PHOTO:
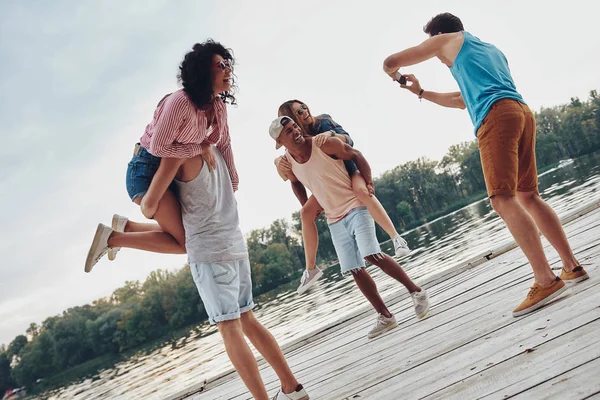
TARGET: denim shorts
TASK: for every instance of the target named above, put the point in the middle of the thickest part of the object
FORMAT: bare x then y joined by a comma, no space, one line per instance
225,288
351,167
140,171
354,239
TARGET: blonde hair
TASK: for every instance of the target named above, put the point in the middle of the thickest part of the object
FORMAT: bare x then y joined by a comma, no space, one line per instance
286,110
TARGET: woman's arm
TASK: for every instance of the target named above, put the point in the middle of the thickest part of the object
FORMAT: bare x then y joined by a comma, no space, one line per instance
160,183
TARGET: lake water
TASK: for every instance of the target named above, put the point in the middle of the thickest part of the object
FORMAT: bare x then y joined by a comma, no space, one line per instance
438,246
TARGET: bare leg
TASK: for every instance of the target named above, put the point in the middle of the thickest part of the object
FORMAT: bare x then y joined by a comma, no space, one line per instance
132,226
310,211
266,344
549,224
242,358
368,287
359,186
524,230
169,240
393,269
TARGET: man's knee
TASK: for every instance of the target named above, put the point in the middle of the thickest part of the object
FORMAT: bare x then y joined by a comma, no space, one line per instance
528,199
248,318
229,327
375,258
501,202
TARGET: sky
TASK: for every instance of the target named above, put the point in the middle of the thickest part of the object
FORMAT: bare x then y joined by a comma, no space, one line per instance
79,81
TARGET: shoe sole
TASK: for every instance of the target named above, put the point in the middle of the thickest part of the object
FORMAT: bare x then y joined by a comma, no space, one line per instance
402,253
95,244
577,280
112,253
424,313
311,283
541,303
388,328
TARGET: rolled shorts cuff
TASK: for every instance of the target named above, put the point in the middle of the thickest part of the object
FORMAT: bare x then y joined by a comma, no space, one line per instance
530,189
231,316
139,194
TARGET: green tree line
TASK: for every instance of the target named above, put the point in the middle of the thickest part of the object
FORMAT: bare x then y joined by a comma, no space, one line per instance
168,301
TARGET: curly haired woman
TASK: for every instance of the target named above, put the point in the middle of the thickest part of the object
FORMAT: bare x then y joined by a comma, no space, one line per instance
185,124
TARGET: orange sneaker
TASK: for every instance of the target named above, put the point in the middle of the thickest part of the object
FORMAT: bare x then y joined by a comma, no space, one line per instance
577,275
539,296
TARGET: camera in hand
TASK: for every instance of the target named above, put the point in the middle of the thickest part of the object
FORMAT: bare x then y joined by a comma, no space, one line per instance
401,79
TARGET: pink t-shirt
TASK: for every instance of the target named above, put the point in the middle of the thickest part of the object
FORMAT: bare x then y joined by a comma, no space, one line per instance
178,130
328,181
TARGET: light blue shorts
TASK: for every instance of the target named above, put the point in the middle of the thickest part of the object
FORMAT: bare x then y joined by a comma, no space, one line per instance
225,288
354,239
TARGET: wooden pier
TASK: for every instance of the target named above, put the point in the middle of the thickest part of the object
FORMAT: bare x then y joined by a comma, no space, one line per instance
470,346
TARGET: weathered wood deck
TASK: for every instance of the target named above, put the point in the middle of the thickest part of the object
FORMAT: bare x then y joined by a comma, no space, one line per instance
470,346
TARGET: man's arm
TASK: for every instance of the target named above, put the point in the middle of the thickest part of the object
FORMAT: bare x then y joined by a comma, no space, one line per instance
451,100
430,48
160,183
300,191
335,147
284,168
298,188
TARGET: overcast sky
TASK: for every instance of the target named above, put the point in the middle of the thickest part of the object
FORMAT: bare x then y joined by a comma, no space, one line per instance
80,79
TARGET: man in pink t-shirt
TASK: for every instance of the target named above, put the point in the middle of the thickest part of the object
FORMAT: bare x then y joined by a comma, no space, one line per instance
321,169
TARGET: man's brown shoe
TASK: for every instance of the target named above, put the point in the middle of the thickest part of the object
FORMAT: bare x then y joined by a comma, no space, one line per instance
577,275
539,296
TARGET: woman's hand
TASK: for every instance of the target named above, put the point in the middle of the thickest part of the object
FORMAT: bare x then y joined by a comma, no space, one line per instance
321,138
209,157
148,207
284,167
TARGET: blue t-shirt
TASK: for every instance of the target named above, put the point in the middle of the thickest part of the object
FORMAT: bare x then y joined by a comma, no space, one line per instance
483,76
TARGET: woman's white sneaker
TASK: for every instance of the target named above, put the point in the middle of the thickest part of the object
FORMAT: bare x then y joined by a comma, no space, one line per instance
421,302
99,246
400,246
309,278
118,225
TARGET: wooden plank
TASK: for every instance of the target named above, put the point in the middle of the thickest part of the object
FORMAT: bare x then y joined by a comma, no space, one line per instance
517,375
459,301
578,383
443,363
318,367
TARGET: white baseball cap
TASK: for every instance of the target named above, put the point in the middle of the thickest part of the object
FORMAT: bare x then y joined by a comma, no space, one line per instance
277,127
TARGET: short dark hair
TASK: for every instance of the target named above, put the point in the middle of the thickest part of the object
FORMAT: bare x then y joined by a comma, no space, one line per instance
443,23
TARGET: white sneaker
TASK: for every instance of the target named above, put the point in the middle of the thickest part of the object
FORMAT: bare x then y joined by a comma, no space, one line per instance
383,324
99,246
298,394
400,246
309,278
421,302
118,225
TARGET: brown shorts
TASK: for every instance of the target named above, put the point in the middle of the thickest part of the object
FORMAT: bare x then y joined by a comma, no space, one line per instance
506,141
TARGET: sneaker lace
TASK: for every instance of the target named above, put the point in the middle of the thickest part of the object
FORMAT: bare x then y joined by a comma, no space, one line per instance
532,292
399,240
379,320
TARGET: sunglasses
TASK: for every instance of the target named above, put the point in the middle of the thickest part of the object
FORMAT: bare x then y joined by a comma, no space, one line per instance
301,110
224,64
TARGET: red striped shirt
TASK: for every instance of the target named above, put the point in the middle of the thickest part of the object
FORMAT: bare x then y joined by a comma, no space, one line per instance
178,130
